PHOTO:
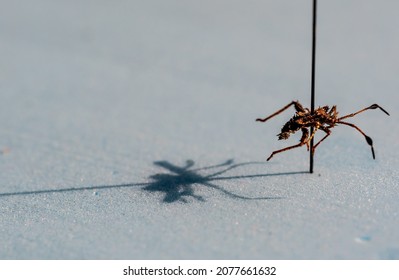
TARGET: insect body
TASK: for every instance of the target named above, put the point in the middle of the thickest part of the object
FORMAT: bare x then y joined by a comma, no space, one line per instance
322,118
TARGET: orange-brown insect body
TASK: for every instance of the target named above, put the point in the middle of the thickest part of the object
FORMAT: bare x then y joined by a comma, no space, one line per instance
322,118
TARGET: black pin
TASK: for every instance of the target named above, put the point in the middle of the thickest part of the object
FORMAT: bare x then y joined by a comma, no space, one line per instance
313,79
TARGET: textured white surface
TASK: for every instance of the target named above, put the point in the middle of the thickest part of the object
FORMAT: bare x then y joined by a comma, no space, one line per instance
103,105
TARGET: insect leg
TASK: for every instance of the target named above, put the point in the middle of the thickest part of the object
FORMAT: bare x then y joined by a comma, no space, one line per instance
303,141
311,137
298,107
328,133
374,106
285,149
368,139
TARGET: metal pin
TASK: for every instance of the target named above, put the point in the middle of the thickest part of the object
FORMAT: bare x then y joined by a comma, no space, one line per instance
313,79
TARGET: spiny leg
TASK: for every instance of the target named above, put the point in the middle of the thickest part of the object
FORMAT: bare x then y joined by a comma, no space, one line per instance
298,108
374,106
368,139
303,141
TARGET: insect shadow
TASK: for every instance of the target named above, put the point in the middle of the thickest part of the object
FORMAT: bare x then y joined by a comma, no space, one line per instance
179,183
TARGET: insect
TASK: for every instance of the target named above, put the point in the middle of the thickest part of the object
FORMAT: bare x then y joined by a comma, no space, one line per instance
322,118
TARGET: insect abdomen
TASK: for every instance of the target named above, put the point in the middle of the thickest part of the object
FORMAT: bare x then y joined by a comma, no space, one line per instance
290,127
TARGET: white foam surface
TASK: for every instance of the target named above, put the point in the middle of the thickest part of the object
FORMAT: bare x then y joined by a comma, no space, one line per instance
128,130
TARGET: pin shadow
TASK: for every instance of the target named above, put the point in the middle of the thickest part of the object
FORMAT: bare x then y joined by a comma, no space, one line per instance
179,183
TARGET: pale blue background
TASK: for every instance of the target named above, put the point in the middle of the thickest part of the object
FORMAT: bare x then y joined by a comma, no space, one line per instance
103,102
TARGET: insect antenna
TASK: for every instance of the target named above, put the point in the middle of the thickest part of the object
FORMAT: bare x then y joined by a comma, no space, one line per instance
374,106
